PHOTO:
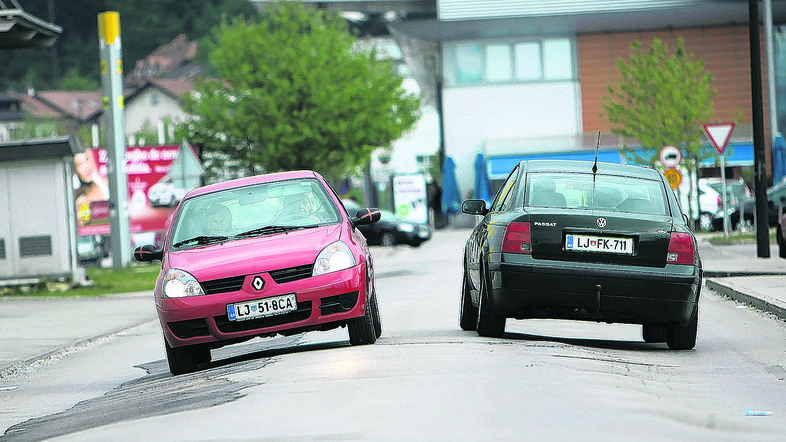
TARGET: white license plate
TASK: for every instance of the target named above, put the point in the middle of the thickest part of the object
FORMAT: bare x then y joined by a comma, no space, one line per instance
589,243
259,308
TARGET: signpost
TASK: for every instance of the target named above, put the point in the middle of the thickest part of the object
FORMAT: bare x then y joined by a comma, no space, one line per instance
719,135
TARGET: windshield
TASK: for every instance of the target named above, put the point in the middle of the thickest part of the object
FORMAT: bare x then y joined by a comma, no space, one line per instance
604,192
260,209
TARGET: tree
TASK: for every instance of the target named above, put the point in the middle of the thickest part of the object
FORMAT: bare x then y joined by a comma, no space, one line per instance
293,91
662,99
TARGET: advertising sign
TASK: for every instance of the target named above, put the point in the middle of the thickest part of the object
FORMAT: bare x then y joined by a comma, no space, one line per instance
152,194
409,197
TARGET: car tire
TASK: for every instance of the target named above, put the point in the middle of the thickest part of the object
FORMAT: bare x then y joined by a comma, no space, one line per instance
781,242
184,360
361,330
468,313
490,324
683,337
377,318
388,239
653,333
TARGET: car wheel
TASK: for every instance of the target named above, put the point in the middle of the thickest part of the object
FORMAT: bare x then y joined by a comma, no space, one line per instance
468,313
683,337
184,360
388,240
490,324
653,333
361,330
781,243
377,319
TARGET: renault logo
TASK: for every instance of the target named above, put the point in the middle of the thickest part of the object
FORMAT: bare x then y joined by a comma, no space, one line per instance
601,222
258,283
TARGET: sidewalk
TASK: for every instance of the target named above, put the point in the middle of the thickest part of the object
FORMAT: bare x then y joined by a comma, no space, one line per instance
37,329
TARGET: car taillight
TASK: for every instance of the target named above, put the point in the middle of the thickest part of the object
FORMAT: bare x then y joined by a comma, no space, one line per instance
720,202
517,238
680,249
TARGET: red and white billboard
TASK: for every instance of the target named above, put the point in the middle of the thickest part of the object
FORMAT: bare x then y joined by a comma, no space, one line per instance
151,195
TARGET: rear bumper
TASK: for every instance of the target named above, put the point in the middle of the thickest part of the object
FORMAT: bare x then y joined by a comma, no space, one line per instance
605,295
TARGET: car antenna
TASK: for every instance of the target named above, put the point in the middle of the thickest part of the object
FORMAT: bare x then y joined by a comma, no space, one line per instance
597,146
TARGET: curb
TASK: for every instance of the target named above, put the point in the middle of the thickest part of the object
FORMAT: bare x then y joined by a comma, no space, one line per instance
760,301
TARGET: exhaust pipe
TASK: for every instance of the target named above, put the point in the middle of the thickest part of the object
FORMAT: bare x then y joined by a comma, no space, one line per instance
596,314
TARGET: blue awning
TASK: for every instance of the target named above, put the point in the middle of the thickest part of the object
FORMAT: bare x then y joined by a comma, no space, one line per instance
500,167
738,154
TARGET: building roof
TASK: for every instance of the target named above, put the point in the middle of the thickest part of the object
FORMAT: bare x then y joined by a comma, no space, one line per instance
39,148
75,105
20,30
167,61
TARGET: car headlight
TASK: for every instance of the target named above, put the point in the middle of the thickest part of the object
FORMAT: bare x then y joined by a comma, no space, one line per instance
333,258
404,227
179,283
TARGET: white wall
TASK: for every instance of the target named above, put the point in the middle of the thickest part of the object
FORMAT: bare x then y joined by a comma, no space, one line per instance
142,109
475,115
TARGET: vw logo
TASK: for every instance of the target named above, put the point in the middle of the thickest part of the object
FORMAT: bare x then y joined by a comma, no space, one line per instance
258,283
601,222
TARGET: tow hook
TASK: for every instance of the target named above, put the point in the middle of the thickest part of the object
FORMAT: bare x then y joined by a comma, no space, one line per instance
596,314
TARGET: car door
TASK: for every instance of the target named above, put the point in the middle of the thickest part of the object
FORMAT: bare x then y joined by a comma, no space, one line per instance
477,245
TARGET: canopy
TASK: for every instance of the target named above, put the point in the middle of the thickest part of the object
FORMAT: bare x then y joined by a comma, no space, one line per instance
451,197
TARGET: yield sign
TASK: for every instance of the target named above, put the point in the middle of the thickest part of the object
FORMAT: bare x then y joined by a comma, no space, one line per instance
719,135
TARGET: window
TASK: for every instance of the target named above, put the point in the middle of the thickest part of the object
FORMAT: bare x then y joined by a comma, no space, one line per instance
469,64
509,62
528,58
498,63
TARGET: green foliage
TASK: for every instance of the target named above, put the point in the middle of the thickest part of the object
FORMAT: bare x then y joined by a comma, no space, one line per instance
662,99
105,281
36,128
72,81
144,26
294,92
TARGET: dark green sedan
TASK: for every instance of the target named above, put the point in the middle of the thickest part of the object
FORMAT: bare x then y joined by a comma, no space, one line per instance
584,241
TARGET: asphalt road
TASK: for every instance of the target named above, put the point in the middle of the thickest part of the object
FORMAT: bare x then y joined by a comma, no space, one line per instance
425,379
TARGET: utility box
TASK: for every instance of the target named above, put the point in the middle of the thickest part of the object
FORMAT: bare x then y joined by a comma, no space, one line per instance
37,221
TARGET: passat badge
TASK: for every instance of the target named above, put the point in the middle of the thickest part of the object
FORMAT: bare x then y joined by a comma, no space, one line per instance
601,222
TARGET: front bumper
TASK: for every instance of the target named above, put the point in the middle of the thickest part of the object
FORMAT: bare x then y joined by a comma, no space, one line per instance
628,295
323,302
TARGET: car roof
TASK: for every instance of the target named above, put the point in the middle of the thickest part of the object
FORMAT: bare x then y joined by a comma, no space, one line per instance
578,166
256,179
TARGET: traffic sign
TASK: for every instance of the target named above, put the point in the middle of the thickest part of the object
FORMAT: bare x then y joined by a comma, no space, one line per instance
719,135
670,156
674,177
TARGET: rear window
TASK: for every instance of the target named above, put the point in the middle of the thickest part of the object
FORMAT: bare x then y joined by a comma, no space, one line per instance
603,192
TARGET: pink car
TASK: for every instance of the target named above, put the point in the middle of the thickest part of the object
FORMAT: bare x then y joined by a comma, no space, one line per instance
261,256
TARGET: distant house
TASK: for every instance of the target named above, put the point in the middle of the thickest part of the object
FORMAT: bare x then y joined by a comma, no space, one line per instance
156,105
68,109
174,60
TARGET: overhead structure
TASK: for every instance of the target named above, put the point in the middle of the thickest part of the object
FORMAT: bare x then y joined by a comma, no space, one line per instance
21,30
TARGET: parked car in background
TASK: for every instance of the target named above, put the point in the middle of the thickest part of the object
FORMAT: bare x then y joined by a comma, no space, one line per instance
562,240
89,250
711,203
392,230
260,256
776,198
165,193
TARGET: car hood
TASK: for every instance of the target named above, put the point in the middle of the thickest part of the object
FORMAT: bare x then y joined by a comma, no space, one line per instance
256,254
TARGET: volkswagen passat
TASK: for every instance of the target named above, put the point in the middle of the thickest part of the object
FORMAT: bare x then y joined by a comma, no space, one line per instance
261,256
577,240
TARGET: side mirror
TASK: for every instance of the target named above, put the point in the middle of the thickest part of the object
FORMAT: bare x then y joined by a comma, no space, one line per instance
148,253
365,216
474,207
